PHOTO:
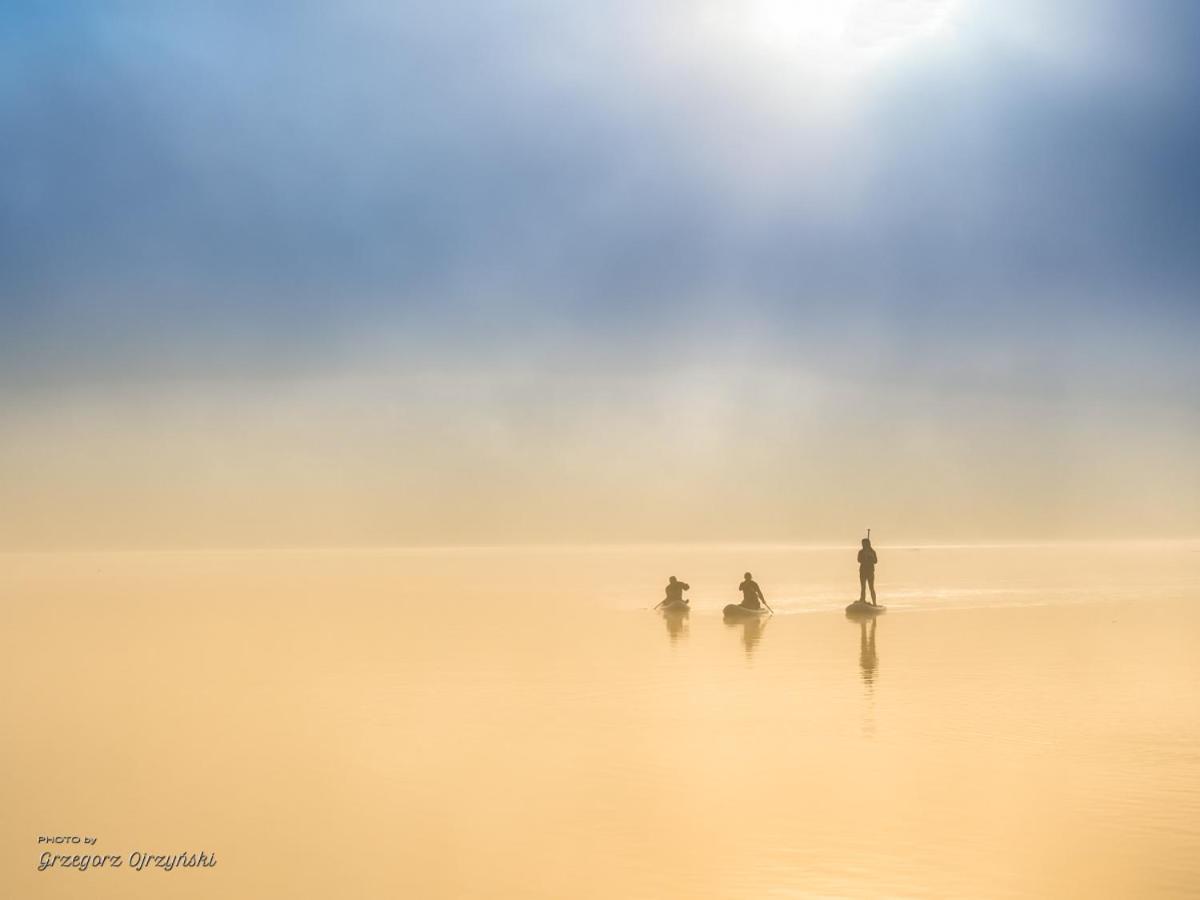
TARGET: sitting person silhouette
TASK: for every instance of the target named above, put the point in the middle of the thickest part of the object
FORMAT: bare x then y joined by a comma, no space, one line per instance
866,571
751,594
675,591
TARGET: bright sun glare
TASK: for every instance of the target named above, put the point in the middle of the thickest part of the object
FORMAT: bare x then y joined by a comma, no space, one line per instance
846,34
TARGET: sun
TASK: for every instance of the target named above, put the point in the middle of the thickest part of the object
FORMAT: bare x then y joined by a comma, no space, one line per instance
826,33
792,23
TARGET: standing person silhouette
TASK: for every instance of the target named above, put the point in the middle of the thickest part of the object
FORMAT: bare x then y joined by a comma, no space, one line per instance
751,594
866,571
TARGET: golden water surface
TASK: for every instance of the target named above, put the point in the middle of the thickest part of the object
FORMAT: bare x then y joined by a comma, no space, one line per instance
1023,721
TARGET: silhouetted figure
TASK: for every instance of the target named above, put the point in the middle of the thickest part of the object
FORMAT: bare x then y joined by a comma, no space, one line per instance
751,594
675,591
866,571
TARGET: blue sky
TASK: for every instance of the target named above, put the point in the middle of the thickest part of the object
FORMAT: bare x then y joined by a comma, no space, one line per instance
957,236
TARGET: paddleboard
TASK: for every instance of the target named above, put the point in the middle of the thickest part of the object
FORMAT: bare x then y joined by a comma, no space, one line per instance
861,607
737,611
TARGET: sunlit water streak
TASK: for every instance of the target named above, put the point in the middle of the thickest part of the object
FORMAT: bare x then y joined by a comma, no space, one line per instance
1022,721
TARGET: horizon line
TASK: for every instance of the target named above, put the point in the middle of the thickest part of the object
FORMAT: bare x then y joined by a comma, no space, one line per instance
987,544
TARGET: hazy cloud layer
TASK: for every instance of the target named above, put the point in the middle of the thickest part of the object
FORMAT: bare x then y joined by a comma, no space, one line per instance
955,228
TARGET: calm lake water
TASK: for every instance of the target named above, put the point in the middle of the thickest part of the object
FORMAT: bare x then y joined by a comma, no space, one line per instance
1022,722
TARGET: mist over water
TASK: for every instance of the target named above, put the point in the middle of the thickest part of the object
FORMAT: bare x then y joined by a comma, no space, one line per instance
1023,721
360,274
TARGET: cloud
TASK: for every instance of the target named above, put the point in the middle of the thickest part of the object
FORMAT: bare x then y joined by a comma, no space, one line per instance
542,214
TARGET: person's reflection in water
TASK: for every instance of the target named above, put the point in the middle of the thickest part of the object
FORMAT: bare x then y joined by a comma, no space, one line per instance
677,623
752,630
868,660
868,665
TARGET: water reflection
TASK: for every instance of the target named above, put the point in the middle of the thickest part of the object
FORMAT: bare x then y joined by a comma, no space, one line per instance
752,630
868,659
506,761
868,666
677,623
